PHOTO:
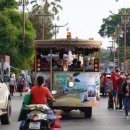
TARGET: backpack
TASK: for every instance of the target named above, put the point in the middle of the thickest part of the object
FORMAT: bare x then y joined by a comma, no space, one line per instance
21,81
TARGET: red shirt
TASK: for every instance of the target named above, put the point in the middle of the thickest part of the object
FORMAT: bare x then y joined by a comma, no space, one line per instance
105,80
40,95
114,78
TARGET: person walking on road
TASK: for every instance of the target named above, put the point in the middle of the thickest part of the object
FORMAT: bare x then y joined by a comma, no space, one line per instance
126,91
120,82
114,78
21,83
12,84
28,80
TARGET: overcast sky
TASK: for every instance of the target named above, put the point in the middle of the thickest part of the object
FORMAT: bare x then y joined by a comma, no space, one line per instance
84,17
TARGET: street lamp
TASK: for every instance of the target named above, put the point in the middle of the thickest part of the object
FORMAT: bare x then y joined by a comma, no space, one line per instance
23,3
57,26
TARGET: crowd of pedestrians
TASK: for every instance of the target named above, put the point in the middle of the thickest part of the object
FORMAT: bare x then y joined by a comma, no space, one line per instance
21,84
120,90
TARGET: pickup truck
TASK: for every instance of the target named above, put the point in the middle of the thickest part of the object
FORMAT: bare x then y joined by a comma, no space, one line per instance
5,103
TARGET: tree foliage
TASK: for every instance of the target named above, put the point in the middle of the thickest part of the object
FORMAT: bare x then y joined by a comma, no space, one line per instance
45,7
108,28
11,4
38,22
52,5
121,53
11,39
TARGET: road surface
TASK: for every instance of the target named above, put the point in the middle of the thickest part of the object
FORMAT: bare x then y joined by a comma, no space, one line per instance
102,119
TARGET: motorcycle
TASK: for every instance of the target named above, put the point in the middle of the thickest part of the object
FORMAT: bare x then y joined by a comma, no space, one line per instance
38,118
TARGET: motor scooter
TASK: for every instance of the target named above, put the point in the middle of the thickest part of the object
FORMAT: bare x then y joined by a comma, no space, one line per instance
37,118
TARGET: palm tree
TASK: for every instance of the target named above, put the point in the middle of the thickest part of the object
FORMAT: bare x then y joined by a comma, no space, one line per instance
53,6
44,7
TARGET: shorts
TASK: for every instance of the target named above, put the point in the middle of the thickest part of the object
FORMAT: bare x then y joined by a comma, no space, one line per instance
114,91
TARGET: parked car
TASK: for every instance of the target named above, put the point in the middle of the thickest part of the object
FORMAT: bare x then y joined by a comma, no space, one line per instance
5,103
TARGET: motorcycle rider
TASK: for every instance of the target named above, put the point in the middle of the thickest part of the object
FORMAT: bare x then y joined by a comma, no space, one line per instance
40,94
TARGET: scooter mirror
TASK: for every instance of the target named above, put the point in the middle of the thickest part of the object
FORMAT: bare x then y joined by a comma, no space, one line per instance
53,92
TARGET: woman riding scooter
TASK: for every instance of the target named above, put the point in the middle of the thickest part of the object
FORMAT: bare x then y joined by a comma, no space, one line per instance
40,94
39,115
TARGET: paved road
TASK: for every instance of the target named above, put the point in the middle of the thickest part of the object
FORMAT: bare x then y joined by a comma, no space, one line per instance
102,118
16,105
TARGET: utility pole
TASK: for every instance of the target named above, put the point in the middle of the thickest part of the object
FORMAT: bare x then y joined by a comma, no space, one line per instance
110,54
117,32
113,47
116,37
23,3
57,26
43,19
124,20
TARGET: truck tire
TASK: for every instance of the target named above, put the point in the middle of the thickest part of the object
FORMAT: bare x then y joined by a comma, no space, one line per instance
88,112
6,118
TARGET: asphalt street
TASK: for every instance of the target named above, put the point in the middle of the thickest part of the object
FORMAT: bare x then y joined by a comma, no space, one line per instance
102,119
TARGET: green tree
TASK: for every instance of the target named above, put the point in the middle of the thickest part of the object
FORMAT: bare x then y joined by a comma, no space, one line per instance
11,39
52,5
44,8
37,22
11,4
122,53
108,27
